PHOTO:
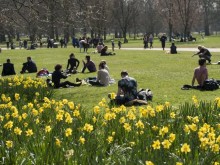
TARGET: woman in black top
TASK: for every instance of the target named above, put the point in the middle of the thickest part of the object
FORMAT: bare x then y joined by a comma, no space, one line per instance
73,63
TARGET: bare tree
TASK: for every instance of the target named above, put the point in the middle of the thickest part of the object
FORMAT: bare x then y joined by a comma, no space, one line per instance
207,9
150,15
123,11
186,10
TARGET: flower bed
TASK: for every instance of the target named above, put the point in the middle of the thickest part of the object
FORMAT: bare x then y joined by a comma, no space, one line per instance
40,130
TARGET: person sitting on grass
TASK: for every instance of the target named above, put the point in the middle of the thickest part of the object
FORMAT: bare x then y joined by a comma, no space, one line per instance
173,49
89,64
73,63
203,53
29,66
8,68
127,91
105,53
57,75
99,47
102,78
200,74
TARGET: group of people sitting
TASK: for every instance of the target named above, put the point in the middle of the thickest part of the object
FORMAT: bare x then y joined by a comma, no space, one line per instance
29,66
102,79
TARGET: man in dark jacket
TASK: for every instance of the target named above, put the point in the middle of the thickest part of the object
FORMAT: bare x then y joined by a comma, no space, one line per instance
163,40
8,68
57,76
29,66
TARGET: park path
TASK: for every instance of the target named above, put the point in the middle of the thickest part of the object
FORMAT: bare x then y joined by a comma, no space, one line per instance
160,49
178,49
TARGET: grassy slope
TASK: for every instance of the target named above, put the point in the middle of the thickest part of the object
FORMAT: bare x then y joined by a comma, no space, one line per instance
163,73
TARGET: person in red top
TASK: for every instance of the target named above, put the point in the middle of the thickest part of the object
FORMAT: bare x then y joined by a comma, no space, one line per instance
200,73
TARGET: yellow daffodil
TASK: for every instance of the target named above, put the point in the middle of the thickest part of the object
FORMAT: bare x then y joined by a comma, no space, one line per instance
82,140
156,145
163,131
94,119
76,113
110,139
59,117
179,163
159,108
185,148
172,115
68,132
9,144
172,137
149,163
195,119
8,125
30,105
193,127
7,116
71,105
47,129
127,127
122,120
96,109
215,148
155,128
131,115
58,142
29,132
140,124
17,96
69,120
17,131
186,128
65,101
88,127
166,144
1,118
167,104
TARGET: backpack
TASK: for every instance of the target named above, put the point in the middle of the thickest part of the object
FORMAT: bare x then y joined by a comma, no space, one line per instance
210,85
43,72
145,94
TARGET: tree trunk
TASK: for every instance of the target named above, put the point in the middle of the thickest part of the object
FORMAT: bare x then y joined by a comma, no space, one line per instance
206,25
104,33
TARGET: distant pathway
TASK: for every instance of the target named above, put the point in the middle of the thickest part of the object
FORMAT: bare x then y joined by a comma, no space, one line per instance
178,49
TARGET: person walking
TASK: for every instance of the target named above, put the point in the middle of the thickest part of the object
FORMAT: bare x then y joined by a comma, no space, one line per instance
163,40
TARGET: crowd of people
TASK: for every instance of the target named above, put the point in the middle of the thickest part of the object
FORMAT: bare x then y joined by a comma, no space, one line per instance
127,92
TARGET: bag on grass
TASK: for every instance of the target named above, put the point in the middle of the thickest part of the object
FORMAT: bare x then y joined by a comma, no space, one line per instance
211,84
145,94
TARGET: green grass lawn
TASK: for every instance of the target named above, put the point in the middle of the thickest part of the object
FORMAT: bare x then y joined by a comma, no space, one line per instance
163,73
